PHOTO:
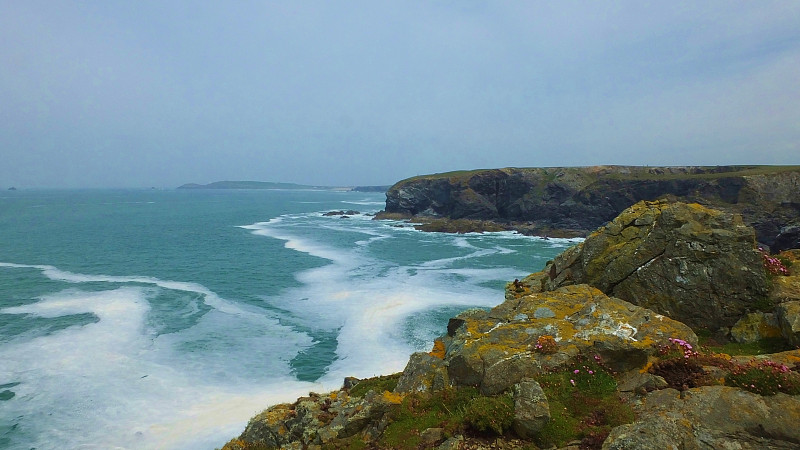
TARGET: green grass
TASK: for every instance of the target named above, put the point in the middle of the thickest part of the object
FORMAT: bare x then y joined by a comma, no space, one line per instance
445,409
762,347
590,407
377,384
636,172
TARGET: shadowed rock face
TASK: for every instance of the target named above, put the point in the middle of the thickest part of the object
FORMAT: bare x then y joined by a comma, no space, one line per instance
696,265
584,198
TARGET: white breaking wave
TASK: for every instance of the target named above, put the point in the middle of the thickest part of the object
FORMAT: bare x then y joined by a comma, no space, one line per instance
130,388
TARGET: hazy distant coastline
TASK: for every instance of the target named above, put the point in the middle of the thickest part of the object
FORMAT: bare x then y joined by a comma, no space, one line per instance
273,185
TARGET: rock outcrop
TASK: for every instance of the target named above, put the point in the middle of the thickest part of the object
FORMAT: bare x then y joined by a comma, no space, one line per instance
580,199
694,264
315,420
495,349
711,417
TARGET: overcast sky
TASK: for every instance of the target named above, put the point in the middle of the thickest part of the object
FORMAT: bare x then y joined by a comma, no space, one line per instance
160,93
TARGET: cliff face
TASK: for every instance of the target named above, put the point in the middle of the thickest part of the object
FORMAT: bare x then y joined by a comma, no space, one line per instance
584,198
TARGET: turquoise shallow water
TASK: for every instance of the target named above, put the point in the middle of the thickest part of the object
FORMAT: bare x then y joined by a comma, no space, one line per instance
165,319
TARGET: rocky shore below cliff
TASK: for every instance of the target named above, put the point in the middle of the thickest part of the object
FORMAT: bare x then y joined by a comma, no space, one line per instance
573,201
666,328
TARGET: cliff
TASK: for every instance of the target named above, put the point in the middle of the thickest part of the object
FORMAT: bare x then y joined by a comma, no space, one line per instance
575,200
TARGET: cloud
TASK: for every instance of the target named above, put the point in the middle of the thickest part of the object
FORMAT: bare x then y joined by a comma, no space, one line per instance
162,93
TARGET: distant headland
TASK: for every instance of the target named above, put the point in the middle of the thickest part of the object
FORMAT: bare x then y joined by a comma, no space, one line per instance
282,186
572,201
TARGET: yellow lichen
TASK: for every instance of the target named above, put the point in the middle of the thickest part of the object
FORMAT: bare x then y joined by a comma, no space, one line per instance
438,349
391,397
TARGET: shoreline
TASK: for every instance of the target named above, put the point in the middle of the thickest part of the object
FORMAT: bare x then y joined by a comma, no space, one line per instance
436,224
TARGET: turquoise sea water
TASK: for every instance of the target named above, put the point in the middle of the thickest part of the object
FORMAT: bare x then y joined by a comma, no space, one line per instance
166,319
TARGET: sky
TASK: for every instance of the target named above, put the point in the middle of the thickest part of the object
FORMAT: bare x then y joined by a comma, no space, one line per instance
160,93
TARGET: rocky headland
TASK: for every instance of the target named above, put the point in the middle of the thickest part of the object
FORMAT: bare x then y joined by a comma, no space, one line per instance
572,201
666,328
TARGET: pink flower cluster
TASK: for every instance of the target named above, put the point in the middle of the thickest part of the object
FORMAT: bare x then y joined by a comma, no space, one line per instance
688,350
781,368
773,264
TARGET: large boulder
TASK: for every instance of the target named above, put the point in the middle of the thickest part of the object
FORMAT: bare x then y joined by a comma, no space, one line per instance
711,417
424,373
531,409
496,349
694,264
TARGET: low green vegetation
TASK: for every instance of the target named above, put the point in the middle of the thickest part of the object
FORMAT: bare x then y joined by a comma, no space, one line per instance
446,409
583,398
764,346
683,367
377,384
490,414
764,378
584,404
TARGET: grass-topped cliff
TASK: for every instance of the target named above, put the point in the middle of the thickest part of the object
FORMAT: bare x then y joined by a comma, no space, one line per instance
575,200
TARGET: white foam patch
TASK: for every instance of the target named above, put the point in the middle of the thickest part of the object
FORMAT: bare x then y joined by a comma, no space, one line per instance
368,300
115,384
293,242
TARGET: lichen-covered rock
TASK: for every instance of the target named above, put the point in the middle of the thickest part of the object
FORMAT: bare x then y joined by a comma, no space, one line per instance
531,409
696,265
424,373
755,326
787,288
638,381
496,349
315,420
711,417
653,432
788,314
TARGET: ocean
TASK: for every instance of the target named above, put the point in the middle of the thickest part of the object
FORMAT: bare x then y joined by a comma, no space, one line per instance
167,318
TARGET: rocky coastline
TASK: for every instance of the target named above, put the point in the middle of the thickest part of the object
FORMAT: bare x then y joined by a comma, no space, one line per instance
573,201
667,327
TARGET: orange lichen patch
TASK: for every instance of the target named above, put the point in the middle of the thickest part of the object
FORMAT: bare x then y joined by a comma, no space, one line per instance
438,349
235,444
333,395
393,398
275,414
